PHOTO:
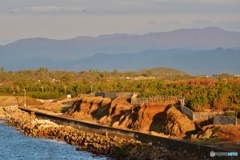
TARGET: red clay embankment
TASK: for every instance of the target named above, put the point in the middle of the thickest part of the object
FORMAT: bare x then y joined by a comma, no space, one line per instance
120,113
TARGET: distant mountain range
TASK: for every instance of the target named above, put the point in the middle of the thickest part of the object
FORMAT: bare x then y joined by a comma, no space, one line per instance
197,51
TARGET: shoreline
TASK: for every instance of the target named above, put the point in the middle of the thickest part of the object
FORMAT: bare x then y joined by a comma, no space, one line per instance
2,113
98,144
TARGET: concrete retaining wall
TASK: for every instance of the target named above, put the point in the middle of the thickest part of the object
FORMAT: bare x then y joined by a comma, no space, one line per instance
113,95
205,115
200,116
188,112
209,117
106,94
220,119
135,100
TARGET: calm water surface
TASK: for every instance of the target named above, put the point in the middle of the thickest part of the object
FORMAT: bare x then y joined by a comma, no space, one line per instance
16,146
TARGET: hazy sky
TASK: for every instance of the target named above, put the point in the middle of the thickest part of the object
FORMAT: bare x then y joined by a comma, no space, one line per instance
64,19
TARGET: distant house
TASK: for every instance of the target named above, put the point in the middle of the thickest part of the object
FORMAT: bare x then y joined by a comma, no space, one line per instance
69,96
55,80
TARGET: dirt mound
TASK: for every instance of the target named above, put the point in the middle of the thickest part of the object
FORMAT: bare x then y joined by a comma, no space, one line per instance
120,113
53,106
10,100
119,109
148,117
178,124
226,132
89,108
17,101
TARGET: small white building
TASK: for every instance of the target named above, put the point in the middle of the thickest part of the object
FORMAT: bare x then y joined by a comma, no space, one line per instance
69,96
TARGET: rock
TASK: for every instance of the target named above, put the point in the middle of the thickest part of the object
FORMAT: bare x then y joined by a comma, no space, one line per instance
206,135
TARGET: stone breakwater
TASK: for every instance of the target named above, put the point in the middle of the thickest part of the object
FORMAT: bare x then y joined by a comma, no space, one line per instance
114,147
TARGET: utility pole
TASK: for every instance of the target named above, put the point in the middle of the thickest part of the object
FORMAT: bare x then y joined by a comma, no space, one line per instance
25,105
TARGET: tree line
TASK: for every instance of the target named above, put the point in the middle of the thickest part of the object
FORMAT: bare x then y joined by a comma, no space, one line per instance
219,93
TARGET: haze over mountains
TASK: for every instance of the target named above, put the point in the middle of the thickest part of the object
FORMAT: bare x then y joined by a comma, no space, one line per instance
197,51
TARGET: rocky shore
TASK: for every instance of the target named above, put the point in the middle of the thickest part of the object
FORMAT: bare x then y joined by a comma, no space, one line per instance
113,147
2,114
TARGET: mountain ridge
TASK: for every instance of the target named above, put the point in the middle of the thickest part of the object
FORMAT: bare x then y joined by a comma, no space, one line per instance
122,51
193,38
191,61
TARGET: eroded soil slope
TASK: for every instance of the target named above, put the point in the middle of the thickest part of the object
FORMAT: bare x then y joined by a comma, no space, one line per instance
155,118
120,113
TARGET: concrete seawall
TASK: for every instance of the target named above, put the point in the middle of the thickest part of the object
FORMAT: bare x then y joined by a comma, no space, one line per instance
201,150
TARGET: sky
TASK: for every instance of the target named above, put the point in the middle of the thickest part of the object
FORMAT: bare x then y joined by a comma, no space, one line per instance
65,19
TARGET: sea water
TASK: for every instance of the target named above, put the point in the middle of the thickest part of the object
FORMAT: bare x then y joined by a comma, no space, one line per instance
16,146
